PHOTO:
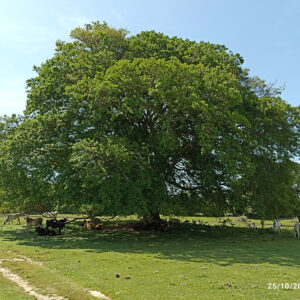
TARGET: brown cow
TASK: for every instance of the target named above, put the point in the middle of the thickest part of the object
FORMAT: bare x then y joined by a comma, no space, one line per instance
34,222
87,225
90,225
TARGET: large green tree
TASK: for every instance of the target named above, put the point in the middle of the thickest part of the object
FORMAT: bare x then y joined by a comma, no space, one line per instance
147,123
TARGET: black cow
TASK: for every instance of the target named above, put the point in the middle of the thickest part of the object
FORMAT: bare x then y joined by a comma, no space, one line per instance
60,224
45,231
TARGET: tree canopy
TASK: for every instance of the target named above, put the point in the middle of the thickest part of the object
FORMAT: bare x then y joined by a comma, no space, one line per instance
148,124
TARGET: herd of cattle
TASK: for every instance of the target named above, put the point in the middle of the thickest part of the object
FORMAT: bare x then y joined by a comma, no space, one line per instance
276,226
38,223
54,223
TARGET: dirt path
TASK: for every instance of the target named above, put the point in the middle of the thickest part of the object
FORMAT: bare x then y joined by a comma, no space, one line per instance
98,295
31,290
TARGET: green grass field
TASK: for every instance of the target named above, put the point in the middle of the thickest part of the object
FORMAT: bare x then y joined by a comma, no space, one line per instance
191,261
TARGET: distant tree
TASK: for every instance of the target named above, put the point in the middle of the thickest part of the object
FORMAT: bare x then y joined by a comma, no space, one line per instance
136,124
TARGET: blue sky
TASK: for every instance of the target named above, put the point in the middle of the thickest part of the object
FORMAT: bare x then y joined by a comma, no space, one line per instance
265,32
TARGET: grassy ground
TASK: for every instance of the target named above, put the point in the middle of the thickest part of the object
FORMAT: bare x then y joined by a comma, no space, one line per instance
191,261
9,290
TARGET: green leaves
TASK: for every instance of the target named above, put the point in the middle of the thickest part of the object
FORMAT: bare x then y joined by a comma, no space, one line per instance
136,124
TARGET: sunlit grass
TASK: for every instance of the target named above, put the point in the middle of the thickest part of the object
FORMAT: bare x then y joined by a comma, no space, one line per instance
191,261
11,291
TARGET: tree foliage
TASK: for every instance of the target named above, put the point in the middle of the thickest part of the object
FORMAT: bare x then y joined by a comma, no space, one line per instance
148,124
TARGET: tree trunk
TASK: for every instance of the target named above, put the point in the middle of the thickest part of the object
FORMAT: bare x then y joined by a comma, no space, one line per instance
155,216
152,217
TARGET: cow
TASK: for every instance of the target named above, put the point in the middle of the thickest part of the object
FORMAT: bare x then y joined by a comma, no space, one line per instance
45,231
252,225
22,230
276,225
34,222
90,225
297,230
11,217
50,214
60,224
87,225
